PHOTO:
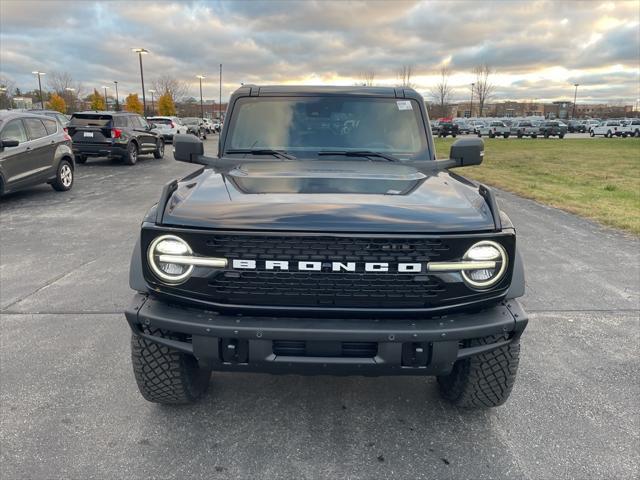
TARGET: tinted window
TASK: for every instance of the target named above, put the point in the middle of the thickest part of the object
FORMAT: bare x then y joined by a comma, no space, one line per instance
327,123
51,126
14,130
134,121
90,120
160,121
62,119
120,121
35,128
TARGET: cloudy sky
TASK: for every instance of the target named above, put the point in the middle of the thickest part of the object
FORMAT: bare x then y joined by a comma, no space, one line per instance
538,49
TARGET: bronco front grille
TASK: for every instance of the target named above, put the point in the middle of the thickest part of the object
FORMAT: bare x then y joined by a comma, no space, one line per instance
260,287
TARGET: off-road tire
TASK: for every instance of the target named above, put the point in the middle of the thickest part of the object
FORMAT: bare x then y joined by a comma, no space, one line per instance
165,375
64,176
131,157
159,151
484,380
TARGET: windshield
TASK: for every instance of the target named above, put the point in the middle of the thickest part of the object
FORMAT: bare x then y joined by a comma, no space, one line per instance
316,124
190,121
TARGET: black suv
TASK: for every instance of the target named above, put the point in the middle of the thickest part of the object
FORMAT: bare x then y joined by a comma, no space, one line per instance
325,238
34,149
119,135
448,128
552,129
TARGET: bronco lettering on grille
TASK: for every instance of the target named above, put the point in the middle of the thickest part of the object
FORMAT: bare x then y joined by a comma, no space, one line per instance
318,266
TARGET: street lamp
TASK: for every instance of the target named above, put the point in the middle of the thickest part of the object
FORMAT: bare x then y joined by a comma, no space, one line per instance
200,77
39,74
153,105
70,90
220,92
575,95
117,101
473,85
140,52
106,107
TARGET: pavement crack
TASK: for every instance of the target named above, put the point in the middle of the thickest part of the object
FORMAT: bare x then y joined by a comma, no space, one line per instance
47,284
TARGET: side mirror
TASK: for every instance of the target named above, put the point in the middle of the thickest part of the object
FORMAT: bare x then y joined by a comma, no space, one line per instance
467,152
9,142
187,148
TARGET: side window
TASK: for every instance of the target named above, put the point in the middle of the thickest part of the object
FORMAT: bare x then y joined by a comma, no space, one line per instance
133,121
14,130
142,122
51,126
35,128
119,121
62,119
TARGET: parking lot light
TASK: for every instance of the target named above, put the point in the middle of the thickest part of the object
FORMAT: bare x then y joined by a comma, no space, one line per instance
106,107
117,101
575,95
200,77
140,52
39,74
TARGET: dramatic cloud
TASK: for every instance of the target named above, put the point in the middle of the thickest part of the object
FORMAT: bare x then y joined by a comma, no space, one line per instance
537,48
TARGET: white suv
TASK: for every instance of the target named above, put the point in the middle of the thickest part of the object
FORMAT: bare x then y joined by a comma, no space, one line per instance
167,127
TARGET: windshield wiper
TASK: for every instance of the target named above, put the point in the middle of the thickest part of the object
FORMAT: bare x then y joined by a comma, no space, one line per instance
264,151
360,153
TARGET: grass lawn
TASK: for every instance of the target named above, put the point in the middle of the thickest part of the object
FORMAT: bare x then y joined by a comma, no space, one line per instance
596,178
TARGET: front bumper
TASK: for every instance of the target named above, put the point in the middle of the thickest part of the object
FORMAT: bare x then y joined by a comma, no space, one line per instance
400,347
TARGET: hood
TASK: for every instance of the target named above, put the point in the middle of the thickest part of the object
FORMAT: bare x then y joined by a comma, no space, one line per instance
347,196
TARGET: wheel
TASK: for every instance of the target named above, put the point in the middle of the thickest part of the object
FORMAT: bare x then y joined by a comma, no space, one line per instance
561,135
454,135
492,135
519,135
64,177
591,133
546,134
81,159
636,133
132,154
165,375
484,380
505,135
609,134
159,152
533,135
479,135
203,135
624,135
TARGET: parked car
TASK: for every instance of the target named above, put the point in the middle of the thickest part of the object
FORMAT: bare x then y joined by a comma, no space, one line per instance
608,128
632,128
476,125
576,126
34,149
249,264
195,126
463,126
448,128
589,124
495,128
61,117
117,135
525,128
167,127
208,125
552,128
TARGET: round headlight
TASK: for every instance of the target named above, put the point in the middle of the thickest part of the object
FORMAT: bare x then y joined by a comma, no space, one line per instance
482,252
164,249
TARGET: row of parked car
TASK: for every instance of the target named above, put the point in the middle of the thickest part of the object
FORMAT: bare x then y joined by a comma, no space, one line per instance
533,128
44,146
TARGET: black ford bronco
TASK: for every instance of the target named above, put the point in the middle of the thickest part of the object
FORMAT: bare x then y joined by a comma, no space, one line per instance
326,238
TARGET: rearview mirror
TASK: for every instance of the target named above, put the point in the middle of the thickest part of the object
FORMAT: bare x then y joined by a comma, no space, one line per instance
10,142
467,151
188,148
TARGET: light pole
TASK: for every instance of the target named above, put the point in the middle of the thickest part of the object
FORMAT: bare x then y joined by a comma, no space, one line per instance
140,52
106,106
220,93
3,92
200,77
117,101
575,95
153,104
473,85
39,74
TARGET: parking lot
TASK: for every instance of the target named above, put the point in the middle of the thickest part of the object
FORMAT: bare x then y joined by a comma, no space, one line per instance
71,409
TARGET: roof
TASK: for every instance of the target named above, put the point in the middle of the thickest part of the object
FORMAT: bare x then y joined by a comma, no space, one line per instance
281,90
9,114
103,112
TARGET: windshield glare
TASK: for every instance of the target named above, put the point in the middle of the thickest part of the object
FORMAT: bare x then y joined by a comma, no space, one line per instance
315,124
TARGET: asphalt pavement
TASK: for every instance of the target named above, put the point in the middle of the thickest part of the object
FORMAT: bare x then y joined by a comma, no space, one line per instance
70,408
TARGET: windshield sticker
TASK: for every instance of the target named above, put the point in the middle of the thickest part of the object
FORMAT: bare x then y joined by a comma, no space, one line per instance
404,105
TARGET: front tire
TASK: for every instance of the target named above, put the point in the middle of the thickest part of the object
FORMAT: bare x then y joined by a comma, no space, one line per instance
81,159
592,134
484,380
64,177
165,375
159,151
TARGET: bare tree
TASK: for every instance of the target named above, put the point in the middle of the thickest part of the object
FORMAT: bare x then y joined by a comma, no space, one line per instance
63,84
176,88
441,93
404,75
367,78
484,89
7,89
